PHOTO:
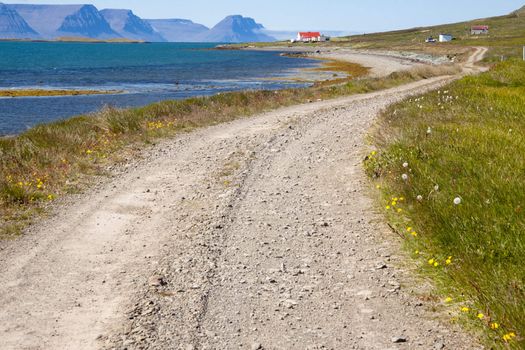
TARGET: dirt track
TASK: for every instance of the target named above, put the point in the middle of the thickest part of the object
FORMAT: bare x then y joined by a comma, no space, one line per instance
256,234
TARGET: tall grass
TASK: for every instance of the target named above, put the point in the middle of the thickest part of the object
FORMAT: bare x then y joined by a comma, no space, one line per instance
52,159
451,167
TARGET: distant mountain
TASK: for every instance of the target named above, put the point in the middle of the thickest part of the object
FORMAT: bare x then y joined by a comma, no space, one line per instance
13,26
179,30
52,21
236,29
130,26
87,22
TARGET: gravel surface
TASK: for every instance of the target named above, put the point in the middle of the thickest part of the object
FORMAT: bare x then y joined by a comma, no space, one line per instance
255,234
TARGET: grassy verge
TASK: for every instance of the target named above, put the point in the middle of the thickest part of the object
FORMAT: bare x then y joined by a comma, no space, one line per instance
53,159
42,92
451,168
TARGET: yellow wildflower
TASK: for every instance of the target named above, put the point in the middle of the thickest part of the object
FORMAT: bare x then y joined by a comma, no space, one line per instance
50,197
431,261
399,210
494,325
465,309
387,207
89,151
448,300
409,229
417,252
413,233
481,316
436,264
509,336
373,153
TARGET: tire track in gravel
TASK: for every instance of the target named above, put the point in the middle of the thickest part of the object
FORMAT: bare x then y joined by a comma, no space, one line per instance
252,234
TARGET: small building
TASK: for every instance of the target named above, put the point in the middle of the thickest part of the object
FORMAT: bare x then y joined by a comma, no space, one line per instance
479,30
445,38
306,37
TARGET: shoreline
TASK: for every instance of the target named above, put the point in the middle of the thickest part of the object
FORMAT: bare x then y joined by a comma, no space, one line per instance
380,62
16,93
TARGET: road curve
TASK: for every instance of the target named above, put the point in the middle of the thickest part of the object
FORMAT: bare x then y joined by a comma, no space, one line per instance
255,234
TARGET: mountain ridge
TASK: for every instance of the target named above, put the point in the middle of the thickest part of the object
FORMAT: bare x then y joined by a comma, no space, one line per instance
50,22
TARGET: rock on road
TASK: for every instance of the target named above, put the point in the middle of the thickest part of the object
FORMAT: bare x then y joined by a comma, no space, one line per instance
255,234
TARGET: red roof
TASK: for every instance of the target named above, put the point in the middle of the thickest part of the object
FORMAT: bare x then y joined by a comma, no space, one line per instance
309,35
480,27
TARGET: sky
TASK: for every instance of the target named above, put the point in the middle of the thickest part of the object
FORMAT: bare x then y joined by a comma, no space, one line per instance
344,15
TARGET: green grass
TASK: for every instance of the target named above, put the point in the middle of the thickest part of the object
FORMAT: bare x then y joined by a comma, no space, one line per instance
506,38
53,159
474,150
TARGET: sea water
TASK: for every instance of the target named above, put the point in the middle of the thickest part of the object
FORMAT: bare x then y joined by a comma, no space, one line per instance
146,73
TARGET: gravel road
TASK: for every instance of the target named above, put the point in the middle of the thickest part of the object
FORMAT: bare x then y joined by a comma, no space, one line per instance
256,234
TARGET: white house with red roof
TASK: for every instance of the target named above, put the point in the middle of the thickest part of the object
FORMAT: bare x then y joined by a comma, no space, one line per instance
311,37
478,30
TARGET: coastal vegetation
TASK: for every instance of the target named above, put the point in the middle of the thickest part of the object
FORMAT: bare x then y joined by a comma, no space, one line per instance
47,161
450,168
43,92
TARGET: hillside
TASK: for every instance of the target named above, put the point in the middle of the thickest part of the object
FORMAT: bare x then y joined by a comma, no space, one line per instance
506,37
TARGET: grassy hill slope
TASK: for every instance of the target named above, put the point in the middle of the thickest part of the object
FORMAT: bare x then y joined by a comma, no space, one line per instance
507,36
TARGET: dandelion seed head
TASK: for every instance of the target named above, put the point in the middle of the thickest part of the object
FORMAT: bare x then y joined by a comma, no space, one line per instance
404,177
457,201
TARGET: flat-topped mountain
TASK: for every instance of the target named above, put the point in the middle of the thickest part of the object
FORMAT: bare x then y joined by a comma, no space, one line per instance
25,21
130,26
13,26
235,29
179,30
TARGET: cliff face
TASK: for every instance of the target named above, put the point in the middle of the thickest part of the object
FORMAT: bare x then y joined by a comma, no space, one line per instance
87,22
179,30
237,29
13,26
130,26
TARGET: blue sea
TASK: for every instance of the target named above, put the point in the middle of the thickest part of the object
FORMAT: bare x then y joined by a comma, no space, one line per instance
146,73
